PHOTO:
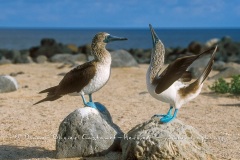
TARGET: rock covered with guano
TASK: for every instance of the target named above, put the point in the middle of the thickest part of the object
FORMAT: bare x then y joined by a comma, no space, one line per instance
174,140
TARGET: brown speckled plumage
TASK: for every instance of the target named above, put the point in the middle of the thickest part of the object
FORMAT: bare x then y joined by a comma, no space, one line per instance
157,58
98,47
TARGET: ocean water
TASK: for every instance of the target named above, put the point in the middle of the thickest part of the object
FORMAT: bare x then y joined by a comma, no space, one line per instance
137,38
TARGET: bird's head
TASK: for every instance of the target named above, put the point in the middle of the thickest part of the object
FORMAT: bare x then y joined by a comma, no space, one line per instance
155,40
158,47
157,55
104,37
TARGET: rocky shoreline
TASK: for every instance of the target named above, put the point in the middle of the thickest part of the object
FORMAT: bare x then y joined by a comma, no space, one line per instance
49,50
229,51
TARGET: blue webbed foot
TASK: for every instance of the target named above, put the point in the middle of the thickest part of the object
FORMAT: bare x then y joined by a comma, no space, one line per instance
91,104
167,117
96,105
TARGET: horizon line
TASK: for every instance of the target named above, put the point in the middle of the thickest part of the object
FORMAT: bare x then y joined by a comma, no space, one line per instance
117,28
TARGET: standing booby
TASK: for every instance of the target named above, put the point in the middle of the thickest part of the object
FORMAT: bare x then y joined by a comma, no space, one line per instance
88,77
168,86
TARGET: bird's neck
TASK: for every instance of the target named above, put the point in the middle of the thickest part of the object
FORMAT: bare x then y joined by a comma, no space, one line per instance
100,53
157,62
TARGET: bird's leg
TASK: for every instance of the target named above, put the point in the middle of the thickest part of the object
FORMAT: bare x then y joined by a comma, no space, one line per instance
169,118
90,98
170,110
89,104
83,98
164,115
92,104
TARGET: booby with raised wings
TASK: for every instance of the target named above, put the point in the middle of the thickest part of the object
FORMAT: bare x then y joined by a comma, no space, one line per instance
168,86
89,77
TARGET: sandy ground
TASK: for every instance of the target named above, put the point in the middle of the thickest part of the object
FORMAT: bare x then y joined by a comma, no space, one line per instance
28,132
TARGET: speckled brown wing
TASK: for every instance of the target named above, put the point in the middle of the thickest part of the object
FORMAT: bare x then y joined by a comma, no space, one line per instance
174,71
73,81
76,79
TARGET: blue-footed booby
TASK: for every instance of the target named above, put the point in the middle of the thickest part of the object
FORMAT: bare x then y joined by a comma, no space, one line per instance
168,86
89,77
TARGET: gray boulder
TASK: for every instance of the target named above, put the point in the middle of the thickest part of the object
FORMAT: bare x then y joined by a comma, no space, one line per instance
14,56
195,47
3,60
174,53
219,65
153,140
87,132
141,55
228,50
25,57
68,58
231,70
122,58
8,84
48,47
41,59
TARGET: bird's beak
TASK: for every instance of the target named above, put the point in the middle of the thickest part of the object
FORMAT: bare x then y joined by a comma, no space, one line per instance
111,38
155,38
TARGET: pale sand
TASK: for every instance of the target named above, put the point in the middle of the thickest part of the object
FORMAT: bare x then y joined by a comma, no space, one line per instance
29,131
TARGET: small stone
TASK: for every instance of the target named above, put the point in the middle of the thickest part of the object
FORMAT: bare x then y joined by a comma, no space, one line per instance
14,74
8,84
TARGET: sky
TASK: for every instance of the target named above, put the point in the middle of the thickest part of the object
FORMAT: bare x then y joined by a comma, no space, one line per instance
120,13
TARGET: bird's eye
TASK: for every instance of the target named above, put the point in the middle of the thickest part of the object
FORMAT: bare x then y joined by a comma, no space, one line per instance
105,39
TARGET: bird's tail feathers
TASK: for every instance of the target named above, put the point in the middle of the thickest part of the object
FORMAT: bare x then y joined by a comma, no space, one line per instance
208,68
49,90
48,98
